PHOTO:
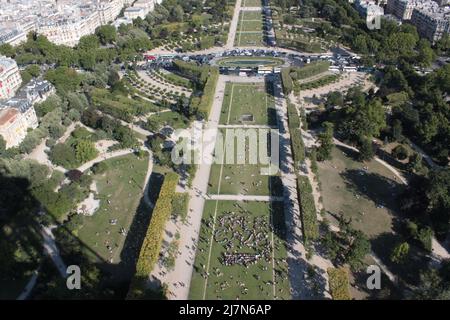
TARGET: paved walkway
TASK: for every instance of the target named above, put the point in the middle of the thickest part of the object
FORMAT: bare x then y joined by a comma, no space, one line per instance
297,261
240,197
189,231
30,285
233,26
51,249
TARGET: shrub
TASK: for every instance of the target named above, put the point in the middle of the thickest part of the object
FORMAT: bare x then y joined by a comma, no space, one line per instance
400,152
287,80
339,283
307,208
151,245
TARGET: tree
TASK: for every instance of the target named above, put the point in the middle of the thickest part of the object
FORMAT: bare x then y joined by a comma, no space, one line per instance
7,50
346,246
106,34
397,130
400,152
415,163
88,43
400,252
438,195
85,151
177,14
425,54
326,142
100,167
334,99
366,151
2,145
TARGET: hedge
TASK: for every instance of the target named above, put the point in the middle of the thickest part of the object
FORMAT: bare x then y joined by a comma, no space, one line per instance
339,283
310,70
207,97
286,80
188,69
206,78
298,147
307,208
319,82
151,245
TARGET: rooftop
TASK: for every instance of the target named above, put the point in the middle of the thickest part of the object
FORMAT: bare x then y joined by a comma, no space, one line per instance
7,115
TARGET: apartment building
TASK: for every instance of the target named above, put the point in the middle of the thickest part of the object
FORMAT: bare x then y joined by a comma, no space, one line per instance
17,114
10,79
431,21
402,9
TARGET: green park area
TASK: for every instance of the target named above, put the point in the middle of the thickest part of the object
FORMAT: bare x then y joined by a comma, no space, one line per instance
249,62
251,3
119,189
242,248
364,192
249,29
367,194
248,103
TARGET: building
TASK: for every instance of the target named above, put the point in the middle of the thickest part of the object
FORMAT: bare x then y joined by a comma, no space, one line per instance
369,10
13,127
17,115
402,9
431,21
10,79
12,36
134,13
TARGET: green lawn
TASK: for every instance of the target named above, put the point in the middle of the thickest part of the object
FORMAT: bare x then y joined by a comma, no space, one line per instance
266,278
242,179
121,185
249,61
250,15
170,118
349,189
249,25
249,29
242,173
369,197
252,3
248,99
248,39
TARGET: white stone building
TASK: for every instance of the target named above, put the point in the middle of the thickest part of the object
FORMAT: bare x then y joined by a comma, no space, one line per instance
10,79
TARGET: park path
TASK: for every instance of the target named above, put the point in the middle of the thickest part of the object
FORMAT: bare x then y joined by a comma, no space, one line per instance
178,280
241,197
297,253
29,287
233,26
51,249
104,156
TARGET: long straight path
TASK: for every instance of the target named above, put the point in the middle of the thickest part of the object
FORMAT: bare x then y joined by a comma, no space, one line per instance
233,25
178,280
297,262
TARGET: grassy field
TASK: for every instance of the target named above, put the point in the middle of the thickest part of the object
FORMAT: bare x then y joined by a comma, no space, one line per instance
249,25
248,99
249,29
249,61
242,179
359,194
252,3
249,39
266,278
242,173
119,191
170,118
